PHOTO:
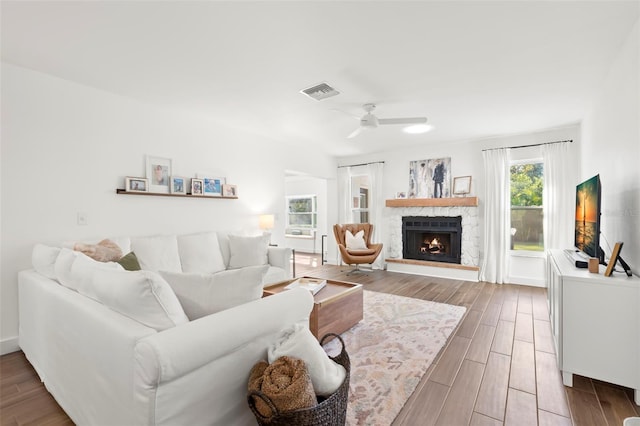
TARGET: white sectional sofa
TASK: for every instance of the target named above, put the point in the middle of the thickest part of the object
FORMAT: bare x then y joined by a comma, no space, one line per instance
115,347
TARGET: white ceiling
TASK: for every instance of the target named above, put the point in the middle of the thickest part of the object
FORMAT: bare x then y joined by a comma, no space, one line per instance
475,69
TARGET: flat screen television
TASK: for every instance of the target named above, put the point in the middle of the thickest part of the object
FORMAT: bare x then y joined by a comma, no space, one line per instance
587,230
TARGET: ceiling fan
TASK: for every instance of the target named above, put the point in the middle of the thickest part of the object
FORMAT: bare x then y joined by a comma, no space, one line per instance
370,121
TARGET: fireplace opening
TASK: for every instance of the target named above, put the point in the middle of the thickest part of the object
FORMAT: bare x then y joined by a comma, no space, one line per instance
437,239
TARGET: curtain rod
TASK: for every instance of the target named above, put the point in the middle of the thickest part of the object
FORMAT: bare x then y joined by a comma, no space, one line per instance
362,164
527,146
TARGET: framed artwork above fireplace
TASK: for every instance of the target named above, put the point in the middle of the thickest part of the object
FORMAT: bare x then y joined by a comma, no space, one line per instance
430,178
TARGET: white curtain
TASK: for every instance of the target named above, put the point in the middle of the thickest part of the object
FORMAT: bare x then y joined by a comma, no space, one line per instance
376,203
497,232
558,195
344,195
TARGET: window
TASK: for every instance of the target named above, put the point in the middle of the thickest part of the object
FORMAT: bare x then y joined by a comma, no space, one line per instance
526,206
302,215
360,197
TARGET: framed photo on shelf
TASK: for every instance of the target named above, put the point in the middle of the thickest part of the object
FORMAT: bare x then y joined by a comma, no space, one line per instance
461,185
615,254
213,186
158,173
136,184
197,187
229,190
178,185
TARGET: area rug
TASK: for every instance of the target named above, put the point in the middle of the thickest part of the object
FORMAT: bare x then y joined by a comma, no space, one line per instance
390,350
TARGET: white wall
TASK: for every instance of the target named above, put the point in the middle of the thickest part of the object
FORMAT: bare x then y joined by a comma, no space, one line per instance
308,185
611,147
67,147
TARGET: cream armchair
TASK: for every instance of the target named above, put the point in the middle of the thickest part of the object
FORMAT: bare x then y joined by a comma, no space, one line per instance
359,256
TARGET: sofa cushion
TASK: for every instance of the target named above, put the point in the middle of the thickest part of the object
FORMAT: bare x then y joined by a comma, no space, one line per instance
43,259
143,296
205,294
248,251
200,253
157,253
73,268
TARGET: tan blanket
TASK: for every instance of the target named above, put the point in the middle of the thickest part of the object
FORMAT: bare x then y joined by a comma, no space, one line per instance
286,382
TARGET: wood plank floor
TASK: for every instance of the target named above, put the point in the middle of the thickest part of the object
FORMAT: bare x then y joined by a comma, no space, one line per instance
498,368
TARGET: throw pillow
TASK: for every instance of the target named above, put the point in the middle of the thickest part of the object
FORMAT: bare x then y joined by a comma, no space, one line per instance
105,251
130,262
157,253
298,342
202,295
248,251
355,242
200,253
140,295
43,259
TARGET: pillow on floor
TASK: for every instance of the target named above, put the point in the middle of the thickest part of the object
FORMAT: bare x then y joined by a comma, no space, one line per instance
205,294
248,251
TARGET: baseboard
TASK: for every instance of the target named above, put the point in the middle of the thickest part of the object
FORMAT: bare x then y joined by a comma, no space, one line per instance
9,345
533,282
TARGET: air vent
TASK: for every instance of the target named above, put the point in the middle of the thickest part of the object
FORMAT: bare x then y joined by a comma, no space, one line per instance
320,91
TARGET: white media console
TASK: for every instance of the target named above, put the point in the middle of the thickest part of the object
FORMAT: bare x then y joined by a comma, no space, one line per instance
595,322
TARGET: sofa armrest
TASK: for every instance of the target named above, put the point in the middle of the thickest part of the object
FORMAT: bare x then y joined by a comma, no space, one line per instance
280,257
205,364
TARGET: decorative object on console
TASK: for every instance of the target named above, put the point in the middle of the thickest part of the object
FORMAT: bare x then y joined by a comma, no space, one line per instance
430,178
615,258
229,190
461,185
136,184
401,195
197,186
158,172
178,185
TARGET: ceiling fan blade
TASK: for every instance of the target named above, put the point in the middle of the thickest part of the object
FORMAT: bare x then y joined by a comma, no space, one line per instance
355,133
408,120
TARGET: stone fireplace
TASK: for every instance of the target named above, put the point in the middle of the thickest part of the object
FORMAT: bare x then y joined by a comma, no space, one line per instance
436,239
465,268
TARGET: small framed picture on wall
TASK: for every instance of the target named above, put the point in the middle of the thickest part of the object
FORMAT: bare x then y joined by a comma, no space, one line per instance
178,185
197,187
229,190
136,184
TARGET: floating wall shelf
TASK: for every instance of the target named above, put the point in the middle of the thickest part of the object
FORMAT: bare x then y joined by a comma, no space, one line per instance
433,202
162,194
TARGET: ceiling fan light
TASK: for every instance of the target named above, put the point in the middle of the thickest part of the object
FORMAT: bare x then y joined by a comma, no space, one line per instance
416,129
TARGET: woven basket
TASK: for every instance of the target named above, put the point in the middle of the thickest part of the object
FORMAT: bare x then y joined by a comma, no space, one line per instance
329,411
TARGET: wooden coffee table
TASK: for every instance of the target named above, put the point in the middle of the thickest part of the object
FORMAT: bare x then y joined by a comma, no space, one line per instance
336,308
